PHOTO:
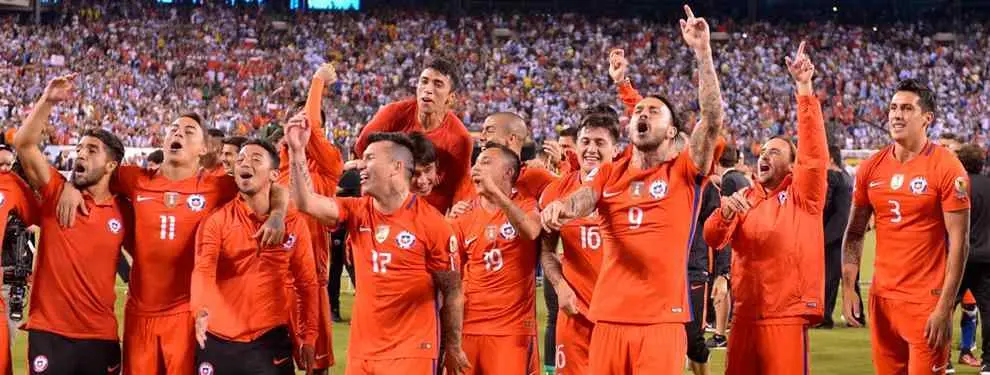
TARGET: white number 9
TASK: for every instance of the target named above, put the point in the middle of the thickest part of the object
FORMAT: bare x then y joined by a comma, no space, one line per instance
635,217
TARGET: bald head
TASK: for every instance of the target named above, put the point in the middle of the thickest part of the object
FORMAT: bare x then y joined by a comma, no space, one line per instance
507,129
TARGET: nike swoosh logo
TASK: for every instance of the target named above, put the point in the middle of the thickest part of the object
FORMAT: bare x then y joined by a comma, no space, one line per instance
875,184
611,194
364,229
468,241
142,199
939,369
321,356
278,361
113,369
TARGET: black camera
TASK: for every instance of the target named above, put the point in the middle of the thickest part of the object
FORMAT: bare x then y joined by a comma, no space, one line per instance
18,262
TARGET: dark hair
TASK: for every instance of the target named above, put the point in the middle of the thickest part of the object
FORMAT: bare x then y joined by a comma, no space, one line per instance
157,157
398,139
601,121
835,153
729,157
926,97
446,67
235,141
514,162
972,158
216,133
199,121
676,121
300,105
113,145
600,109
423,151
950,136
272,152
570,132
789,144
6,147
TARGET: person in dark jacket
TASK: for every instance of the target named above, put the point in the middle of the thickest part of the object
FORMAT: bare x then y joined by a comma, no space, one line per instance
836,215
699,276
976,276
349,186
728,180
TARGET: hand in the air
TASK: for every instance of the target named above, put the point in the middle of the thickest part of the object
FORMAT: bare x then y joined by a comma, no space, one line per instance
695,31
618,65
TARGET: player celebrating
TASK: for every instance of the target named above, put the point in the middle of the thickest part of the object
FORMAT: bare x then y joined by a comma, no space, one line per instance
919,193
647,201
71,323
573,275
499,256
402,248
430,113
237,286
18,199
776,233
228,152
509,130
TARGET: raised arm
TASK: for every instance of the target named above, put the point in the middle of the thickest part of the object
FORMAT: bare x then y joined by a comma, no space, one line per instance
319,149
30,134
811,169
852,254
527,223
322,208
705,135
618,66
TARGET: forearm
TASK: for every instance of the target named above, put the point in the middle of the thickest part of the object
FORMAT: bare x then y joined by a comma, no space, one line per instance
528,226
705,136
279,197
718,230
955,264
452,312
852,253
581,203
552,268
314,102
31,132
302,193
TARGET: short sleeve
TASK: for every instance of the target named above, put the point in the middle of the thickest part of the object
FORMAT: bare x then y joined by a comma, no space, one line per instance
599,178
536,180
125,180
226,188
22,199
51,190
346,208
861,197
443,249
953,185
686,166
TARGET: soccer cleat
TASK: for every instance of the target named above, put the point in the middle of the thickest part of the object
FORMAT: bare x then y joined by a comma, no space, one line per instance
969,359
985,370
949,369
717,342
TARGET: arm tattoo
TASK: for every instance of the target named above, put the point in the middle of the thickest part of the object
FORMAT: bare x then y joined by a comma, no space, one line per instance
548,256
712,114
299,180
581,203
452,312
852,246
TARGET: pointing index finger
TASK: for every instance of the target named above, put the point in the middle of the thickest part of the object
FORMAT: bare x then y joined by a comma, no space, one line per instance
690,14
800,51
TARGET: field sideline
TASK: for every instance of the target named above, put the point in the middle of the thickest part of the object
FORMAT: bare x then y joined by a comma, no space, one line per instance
841,351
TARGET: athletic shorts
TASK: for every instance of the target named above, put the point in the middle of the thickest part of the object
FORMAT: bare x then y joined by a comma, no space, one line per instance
324,332
151,341
697,350
767,349
53,354
573,343
633,349
356,366
492,355
898,335
270,354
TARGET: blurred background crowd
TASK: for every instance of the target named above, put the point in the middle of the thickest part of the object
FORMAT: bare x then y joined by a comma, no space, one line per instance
241,67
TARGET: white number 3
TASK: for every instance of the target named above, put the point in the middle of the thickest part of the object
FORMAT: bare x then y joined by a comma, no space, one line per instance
895,208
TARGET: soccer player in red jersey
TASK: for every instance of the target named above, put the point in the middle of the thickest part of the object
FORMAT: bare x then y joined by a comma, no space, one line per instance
776,234
573,275
228,152
510,130
237,286
404,251
430,113
499,256
649,200
71,324
918,194
16,198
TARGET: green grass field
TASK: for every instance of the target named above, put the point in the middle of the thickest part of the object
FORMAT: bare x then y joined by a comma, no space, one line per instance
840,351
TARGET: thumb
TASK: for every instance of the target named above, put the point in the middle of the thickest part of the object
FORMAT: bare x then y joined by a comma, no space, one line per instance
83,209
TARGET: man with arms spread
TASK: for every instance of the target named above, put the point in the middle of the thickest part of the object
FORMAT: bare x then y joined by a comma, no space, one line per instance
228,153
918,192
430,113
242,325
71,323
573,274
644,201
776,233
403,253
498,235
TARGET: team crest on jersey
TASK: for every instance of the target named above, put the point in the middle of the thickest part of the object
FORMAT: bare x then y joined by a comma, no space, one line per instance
962,190
658,189
114,226
171,199
507,231
3,199
637,189
453,244
40,363
205,368
919,185
381,234
782,197
290,241
491,232
405,240
196,202
896,181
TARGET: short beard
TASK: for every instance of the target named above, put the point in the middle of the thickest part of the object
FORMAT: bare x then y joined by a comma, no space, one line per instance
648,146
84,182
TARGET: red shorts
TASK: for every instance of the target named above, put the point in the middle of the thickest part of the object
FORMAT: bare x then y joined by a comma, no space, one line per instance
573,343
767,349
501,355
897,330
324,330
424,366
152,340
630,349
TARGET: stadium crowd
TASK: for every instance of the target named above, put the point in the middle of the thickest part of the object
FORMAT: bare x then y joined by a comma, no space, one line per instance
242,68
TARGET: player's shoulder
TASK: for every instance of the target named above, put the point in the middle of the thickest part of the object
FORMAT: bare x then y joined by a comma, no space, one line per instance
400,106
868,165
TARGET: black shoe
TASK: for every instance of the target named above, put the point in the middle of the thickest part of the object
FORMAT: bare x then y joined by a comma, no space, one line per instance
335,315
717,342
949,369
985,369
825,325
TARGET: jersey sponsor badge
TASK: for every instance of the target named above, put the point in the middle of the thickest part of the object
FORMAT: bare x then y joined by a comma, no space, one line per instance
637,189
114,226
962,190
196,202
381,234
782,197
507,231
896,181
919,185
453,244
290,241
658,189
491,232
405,240
39,363
205,368
171,199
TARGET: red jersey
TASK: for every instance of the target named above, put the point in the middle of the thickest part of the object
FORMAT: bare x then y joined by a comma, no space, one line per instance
451,139
908,200
648,218
242,286
166,216
75,270
396,315
499,271
15,196
532,181
778,270
582,242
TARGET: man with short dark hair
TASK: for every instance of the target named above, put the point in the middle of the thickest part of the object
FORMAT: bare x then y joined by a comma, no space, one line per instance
950,140
838,198
976,277
155,159
231,146
425,155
